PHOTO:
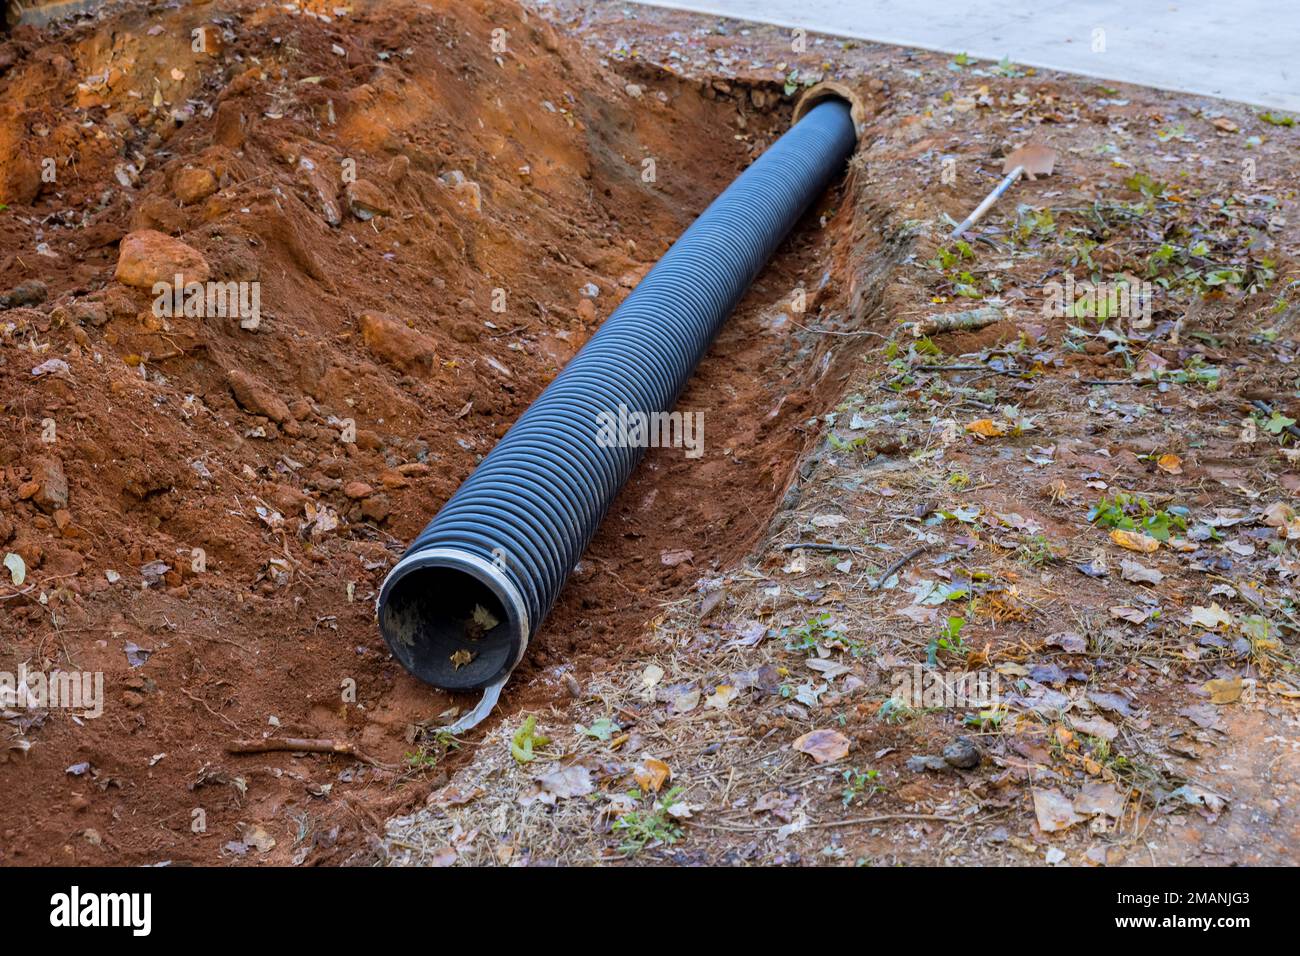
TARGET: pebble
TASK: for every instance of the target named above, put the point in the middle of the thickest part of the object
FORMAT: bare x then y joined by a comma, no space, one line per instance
962,753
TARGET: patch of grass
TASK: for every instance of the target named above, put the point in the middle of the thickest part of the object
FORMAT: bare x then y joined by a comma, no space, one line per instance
808,635
430,751
857,783
1036,551
949,640
895,711
1132,513
639,829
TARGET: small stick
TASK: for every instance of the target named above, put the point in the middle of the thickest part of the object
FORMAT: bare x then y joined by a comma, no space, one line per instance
818,546
898,565
966,321
281,744
301,745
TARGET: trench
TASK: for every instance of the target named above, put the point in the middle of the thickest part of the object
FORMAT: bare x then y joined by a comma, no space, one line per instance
761,392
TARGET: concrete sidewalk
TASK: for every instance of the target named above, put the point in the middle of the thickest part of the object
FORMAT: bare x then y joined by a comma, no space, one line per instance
1233,49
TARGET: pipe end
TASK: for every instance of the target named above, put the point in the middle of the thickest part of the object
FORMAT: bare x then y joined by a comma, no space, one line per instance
452,619
833,90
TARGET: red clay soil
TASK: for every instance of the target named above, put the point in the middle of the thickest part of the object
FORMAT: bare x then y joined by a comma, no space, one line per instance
480,169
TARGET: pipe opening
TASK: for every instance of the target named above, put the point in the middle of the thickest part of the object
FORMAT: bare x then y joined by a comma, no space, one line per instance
450,622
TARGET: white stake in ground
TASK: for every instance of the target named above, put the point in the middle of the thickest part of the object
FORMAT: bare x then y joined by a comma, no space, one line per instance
1033,161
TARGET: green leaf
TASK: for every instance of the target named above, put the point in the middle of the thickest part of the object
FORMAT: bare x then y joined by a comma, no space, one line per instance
525,739
602,729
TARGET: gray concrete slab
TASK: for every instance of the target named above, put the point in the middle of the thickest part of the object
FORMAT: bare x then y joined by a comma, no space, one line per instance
1240,50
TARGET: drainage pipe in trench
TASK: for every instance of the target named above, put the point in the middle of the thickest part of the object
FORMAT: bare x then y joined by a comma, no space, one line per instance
459,609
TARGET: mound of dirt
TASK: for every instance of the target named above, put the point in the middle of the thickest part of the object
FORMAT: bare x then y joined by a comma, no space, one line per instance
274,278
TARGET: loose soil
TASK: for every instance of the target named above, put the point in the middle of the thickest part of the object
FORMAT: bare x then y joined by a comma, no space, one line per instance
508,181
407,319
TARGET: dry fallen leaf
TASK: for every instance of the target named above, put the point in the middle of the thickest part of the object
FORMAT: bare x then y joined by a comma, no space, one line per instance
1097,798
1134,541
985,428
721,698
1209,617
452,796
1139,573
572,781
1170,463
651,774
1054,810
1224,691
824,746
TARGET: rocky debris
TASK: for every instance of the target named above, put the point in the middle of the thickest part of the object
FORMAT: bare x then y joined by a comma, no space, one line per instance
27,292
192,184
356,490
20,180
89,312
396,343
48,487
366,200
324,187
962,754
376,508
147,257
587,310
923,762
398,169
256,397
466,191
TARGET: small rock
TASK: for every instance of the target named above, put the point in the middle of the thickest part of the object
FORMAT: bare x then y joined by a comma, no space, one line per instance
147,257
587,310
366,200
962,754
398,169
192,184
924,762
51,485
465,190
20,180
89,312
28,292
394,342
356,490
256,397
376,508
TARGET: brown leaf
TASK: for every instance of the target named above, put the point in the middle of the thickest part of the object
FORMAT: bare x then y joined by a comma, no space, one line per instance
824,746
1224,691
1097,798
1134,541
985,428
1054,810
651,774
1170,463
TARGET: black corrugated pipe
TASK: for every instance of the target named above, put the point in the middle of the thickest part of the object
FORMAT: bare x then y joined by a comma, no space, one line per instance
460,607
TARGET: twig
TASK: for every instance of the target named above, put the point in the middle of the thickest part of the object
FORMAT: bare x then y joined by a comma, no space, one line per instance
898,565
850,822
204,703
966,321
818,546
300,745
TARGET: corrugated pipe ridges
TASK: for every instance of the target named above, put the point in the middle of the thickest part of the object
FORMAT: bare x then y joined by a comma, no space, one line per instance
460,607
